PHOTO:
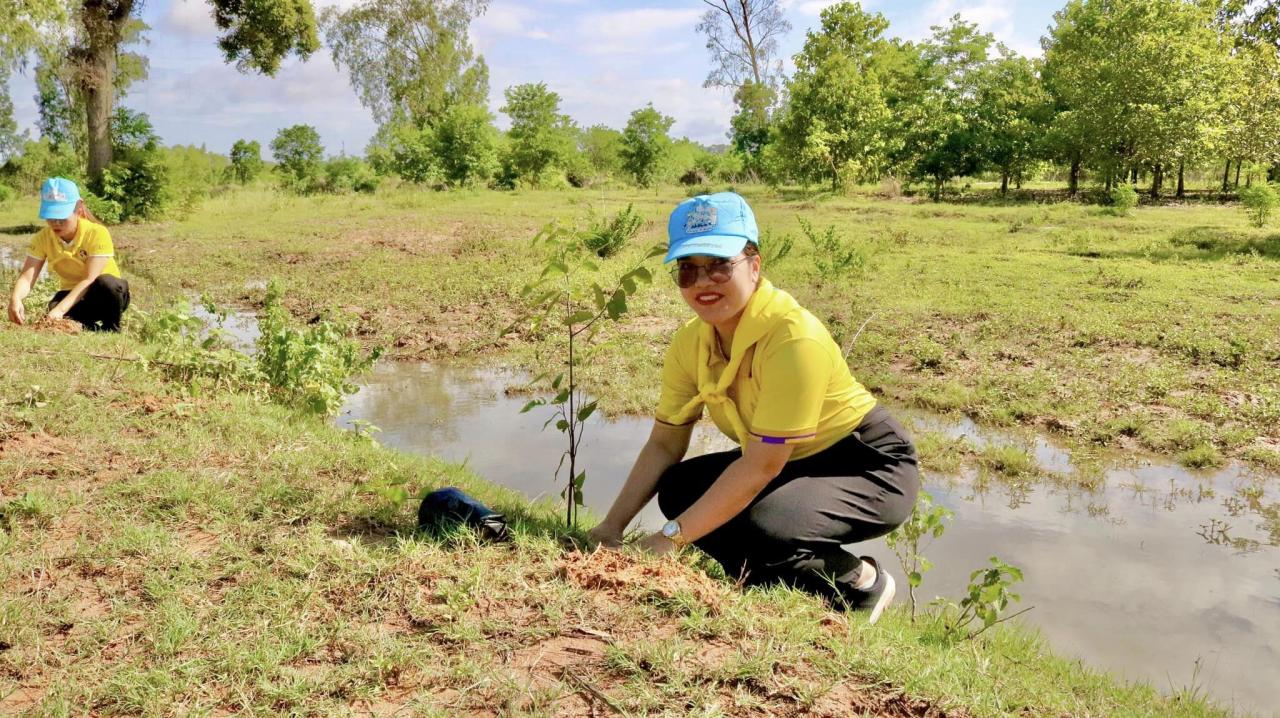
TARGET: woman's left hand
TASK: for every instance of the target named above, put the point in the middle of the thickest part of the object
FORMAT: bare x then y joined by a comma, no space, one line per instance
54,315
655,544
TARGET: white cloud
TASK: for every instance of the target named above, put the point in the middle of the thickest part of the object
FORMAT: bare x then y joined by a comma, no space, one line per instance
646,30
191,17
813,7
990,15
509,21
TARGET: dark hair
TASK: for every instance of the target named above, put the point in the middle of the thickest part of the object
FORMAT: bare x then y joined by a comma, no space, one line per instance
751,249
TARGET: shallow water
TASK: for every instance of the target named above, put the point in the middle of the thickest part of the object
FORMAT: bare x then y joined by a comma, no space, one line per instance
1163,575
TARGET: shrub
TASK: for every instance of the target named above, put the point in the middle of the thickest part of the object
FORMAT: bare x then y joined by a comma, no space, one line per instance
607,237
1123,198
1259,202
37,160
832,256
7,193
309,367
137,181
465,145
349,174
106,210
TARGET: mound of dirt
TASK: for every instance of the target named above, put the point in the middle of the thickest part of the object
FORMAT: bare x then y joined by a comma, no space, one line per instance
58,326
624,576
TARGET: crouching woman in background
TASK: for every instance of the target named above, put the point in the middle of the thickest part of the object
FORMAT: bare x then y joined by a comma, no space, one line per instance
78,249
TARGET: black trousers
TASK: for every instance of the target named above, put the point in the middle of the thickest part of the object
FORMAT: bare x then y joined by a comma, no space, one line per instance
862,487
101,305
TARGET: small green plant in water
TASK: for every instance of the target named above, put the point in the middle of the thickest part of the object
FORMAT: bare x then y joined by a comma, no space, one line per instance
569,300
832,256
607,237
186,350
927,522
1259,201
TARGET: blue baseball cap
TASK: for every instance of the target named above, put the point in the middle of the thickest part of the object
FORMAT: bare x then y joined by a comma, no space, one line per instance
717,225
58,198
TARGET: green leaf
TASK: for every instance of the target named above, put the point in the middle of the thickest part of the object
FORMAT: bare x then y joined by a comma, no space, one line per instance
586,411
629,285
579,317
643,274
531,405
561,397
562,425
555,383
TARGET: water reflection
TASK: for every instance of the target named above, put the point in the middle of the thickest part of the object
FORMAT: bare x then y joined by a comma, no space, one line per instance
1158,570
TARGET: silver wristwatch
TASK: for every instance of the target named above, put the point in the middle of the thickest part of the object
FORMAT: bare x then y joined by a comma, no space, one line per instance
671,530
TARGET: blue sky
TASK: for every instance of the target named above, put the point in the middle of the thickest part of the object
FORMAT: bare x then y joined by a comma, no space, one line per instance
605,59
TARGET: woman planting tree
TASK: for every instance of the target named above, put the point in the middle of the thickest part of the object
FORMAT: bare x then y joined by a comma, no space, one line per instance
820,465
78,249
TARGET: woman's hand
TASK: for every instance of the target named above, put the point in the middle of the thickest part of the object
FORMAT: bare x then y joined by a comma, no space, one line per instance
55,314
656,544
17,312
605,536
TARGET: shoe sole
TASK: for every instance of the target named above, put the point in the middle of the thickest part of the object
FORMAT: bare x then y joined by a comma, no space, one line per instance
885,599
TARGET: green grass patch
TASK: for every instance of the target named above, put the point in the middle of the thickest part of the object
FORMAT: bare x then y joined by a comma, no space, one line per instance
213,553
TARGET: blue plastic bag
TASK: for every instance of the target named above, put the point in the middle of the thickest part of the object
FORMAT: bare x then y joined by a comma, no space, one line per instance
452,505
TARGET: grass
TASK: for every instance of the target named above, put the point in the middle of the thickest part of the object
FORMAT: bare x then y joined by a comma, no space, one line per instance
1057,316
179,552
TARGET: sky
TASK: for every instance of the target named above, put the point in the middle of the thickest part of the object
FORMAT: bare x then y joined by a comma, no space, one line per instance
604,58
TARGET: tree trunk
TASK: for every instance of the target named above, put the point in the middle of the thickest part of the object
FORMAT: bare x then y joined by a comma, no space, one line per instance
1004,183
1133,175
1238,163
1073,181
103,21
1109,182
1181,186
1157,178
1226,176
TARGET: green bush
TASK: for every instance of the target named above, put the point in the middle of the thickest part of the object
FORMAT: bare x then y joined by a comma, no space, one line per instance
246,161
37,160
349,174
1259,202
309,367
607,237
7,193
1123,198
136,185
106,210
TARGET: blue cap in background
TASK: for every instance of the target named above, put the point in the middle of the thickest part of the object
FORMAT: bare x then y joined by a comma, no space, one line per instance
716,225
58,198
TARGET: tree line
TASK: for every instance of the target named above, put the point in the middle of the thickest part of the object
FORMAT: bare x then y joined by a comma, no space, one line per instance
1126,91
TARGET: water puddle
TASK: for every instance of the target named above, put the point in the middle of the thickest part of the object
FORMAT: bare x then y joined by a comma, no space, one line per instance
238,327
1161,575
12,258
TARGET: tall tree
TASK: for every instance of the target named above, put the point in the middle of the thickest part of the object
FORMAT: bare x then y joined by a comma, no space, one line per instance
409,60
742,37
834,127
1138,82
541,136
1013,113
255,34
645,144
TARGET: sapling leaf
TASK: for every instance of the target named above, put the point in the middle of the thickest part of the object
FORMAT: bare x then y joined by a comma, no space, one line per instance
586,411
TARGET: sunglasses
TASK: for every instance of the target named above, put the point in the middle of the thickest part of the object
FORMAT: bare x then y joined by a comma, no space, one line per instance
720,271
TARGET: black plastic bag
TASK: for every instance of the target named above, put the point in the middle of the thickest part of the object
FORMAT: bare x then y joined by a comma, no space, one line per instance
452,505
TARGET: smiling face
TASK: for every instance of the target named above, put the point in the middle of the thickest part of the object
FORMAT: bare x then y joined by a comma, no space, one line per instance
721,304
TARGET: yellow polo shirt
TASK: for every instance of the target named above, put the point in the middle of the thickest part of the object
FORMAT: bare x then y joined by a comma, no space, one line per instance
70,261
785,380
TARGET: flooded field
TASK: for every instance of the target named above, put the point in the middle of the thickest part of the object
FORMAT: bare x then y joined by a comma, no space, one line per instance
1161,575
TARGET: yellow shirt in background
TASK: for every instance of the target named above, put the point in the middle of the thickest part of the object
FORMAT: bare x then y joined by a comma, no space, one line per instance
70,261
790,383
